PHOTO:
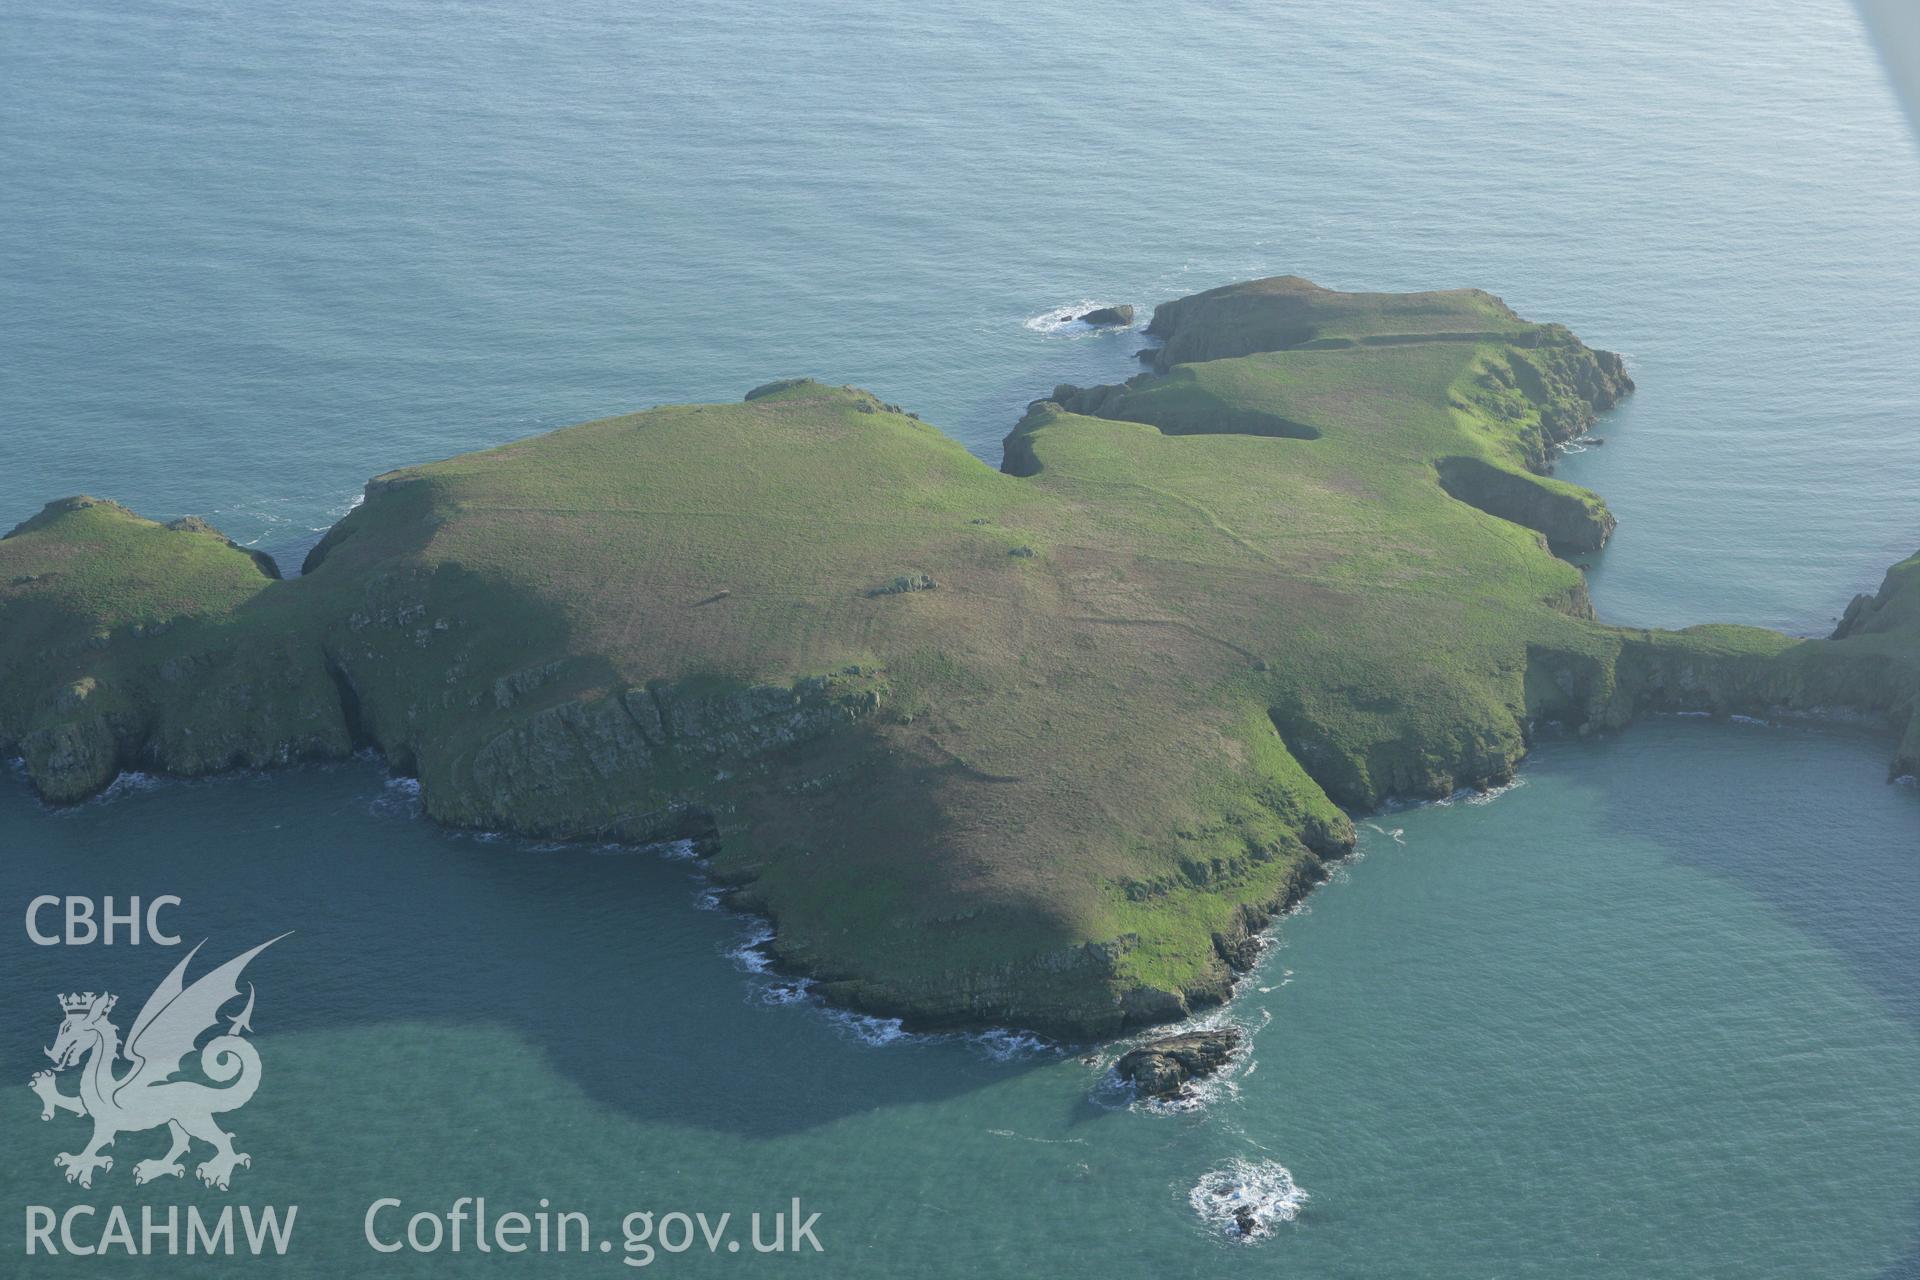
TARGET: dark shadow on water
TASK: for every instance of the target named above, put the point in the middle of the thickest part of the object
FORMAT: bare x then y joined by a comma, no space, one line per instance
1908,1267
1089,359
599,959
1732,799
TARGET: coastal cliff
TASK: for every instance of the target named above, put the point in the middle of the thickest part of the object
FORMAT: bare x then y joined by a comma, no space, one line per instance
1047,746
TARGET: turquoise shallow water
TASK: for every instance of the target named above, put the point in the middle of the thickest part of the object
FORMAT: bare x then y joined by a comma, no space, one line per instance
1652,1013
1649,1014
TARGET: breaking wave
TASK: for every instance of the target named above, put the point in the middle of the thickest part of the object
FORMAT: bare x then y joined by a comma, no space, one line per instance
1007,1045
1473,795
1114,1093
398,797
867,1029
1067,319
1247,1200
751,954
999,1044
787,991
1494,793
1196,1095
1398,834
128,783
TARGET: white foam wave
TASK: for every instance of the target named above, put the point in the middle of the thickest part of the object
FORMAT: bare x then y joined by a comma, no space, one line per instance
1247,1199
869,1030
1003,1044
1111,1093
1284,982
1067,319
1494,793
398,797
794,991
1050,1142
751,959
1194,1095
1476,795
751,954
127,783
1000,1044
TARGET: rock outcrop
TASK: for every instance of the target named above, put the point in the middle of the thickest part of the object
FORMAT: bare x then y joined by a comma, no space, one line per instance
1165,1067
1895,607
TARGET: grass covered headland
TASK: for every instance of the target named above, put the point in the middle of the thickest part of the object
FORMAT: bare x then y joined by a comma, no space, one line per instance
1040,746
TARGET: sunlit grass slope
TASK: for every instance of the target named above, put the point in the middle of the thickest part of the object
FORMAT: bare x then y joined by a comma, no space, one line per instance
1040,746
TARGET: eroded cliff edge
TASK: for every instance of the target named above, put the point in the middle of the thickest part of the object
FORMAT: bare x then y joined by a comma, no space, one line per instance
1043,747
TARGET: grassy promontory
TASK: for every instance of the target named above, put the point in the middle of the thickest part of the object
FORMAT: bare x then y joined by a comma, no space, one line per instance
1041,746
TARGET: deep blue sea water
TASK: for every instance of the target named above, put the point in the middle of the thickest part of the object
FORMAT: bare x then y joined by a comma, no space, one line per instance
1653,1013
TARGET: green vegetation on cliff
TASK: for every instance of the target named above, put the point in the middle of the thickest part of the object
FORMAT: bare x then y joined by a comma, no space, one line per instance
1043,746
1880,631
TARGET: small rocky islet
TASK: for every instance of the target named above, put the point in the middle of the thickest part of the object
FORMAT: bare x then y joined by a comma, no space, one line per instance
1163,1068
1044,746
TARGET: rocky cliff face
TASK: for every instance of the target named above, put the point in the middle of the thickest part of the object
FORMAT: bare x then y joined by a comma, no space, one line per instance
1550,383
635,764
1065,773
1570,520
116,655
1895,607
1880,629
1287,313
1724,671
1538,387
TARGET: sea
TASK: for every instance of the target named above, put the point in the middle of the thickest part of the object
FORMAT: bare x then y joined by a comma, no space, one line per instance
1652,1011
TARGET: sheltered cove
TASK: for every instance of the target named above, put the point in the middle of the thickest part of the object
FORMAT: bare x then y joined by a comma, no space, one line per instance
1043,746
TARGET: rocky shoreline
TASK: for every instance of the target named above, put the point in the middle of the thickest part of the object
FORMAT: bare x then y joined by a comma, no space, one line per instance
1310,552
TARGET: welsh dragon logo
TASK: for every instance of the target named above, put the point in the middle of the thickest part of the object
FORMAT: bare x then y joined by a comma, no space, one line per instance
147,1095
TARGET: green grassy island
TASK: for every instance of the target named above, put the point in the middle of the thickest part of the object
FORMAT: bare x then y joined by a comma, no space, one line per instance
1043,746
